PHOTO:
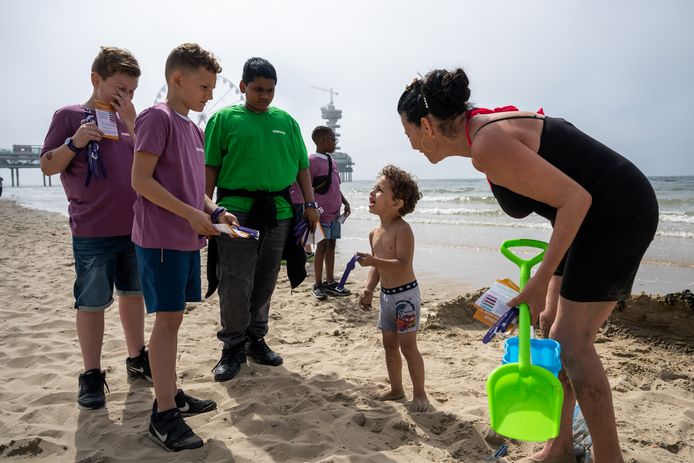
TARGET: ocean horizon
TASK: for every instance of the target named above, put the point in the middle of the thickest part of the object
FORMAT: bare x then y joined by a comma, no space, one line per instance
458,227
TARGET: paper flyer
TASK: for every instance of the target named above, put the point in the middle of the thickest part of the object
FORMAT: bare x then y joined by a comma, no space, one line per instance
316,236
106,119
492,304
305,236
238,232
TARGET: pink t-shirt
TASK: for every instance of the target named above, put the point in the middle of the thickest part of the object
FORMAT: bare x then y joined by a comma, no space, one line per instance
105,207
332,200
180,146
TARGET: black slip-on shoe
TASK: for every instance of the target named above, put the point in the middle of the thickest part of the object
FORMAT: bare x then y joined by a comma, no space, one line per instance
230,363
258,350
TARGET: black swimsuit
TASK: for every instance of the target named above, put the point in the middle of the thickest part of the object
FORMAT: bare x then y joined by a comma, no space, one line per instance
603,259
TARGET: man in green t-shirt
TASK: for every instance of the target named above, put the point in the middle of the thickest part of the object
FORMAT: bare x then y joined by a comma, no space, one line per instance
253,153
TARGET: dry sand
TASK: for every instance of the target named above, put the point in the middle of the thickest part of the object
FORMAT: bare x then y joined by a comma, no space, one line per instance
319,405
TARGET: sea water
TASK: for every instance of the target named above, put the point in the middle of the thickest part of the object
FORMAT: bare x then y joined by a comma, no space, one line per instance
458,226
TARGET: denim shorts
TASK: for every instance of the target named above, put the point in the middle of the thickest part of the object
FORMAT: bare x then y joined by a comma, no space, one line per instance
333,230
170,278
101,263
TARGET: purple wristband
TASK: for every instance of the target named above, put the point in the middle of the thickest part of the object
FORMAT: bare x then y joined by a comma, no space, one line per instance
217,212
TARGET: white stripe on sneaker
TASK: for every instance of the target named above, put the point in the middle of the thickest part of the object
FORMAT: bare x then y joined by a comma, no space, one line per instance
160,436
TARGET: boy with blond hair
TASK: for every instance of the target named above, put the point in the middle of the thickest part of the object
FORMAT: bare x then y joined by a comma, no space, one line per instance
172,216
394,195
95,173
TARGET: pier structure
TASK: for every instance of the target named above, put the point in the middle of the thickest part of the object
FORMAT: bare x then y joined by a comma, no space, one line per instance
22,157
332,115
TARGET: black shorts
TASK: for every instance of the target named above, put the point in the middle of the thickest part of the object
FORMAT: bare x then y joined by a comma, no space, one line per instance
602,262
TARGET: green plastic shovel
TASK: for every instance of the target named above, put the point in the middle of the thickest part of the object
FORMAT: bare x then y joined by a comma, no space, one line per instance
525,400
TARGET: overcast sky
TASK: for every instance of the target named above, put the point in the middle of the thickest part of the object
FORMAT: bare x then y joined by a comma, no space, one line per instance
622,71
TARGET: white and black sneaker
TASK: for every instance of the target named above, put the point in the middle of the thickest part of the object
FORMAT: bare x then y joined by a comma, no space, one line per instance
319,292
189,405
333,289
170,431
138,367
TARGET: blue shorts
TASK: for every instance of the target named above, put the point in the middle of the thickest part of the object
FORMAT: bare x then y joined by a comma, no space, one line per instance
101,263
333,230
169,278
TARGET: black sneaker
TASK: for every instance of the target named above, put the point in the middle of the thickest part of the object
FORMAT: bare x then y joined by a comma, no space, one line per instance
138,367
230,363
169,430
91,394
332,289
319,292
189,405
258,350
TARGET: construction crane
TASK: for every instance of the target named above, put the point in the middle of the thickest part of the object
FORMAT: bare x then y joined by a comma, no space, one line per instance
329,90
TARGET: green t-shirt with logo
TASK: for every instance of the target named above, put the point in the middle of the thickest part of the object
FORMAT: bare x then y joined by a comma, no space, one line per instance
254,151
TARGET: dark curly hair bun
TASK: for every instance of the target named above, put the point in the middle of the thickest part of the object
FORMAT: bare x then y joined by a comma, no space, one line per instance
455,86
441,93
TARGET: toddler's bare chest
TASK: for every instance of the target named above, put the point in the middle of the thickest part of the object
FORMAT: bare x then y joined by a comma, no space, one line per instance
384,245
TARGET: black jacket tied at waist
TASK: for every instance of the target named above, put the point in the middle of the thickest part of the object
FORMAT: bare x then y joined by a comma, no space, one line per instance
263,213
262,216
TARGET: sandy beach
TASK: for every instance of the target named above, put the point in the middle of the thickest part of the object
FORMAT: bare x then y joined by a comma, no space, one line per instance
319,405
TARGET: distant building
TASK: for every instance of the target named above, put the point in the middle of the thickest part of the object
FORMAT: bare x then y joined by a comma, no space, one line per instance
343,160
21,157
25,149
344,165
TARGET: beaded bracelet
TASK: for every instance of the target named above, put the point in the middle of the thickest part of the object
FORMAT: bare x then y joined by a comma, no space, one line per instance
217,212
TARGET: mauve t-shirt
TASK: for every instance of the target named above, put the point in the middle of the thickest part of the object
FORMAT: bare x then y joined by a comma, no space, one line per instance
180,146
332,200
105,207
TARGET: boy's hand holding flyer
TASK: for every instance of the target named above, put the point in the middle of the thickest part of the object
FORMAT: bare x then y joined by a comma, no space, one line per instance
106,119
237,232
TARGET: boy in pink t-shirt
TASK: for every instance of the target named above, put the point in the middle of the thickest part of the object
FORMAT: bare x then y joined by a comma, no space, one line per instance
325,178
95,173
172,216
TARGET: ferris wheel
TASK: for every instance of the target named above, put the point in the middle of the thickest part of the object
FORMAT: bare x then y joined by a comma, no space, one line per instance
225,94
